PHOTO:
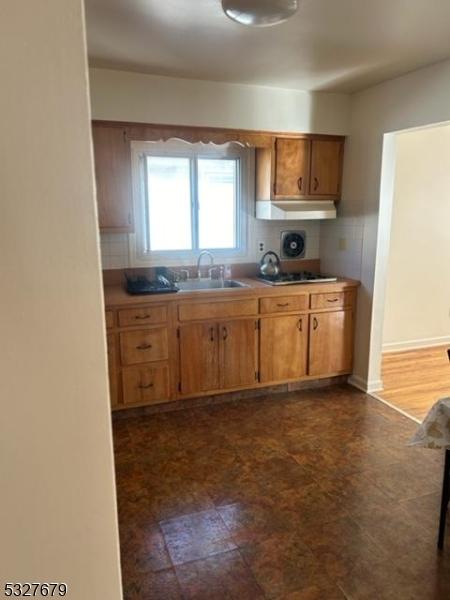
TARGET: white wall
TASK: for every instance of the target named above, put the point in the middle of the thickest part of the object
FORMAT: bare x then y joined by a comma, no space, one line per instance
58,513
417,310
417,99
124,96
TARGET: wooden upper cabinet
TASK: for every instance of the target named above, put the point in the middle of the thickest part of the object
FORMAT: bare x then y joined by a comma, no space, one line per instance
326,167
306,168
330,342
113,176
291,167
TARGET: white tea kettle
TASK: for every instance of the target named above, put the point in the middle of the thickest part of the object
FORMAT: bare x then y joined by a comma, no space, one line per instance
270,265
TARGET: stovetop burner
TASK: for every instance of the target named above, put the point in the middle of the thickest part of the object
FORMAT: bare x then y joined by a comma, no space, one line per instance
295,278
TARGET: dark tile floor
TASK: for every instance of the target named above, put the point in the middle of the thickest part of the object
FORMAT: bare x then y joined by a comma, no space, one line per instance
311,495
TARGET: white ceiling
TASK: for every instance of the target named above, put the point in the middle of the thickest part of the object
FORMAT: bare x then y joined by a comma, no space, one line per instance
333,45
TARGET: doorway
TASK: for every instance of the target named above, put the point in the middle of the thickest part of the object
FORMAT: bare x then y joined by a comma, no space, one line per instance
414,244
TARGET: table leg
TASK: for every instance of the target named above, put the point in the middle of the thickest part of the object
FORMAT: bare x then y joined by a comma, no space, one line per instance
444,500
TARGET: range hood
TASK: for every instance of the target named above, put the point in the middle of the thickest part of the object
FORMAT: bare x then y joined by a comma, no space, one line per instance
295,210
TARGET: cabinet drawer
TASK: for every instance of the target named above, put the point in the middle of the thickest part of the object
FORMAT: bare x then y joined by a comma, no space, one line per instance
191,311
109,318
283,304
112,372
331,300
144,345
146,315
146,384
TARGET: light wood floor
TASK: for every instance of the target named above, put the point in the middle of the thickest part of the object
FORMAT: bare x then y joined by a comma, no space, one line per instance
415,379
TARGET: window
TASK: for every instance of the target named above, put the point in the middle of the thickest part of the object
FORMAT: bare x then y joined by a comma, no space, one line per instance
189,198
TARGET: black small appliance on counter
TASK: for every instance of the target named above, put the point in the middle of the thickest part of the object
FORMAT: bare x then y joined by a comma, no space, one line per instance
139,284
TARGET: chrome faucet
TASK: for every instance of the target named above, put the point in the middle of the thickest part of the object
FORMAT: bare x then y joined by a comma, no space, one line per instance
204,253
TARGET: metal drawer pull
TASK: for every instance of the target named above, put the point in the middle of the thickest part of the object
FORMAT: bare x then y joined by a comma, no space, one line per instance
144,347
224,333
316,183
299,183
315,323
332,300
145,387
283,305
142,316
299,325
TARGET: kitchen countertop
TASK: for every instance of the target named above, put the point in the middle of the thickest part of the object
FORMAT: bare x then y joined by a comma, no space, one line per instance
115,295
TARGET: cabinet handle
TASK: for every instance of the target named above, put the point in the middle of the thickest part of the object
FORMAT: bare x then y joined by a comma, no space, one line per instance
142,316
211,334
332,299
144,347
315,323
283,305
224,333
316,183
300,183
300,325
145,387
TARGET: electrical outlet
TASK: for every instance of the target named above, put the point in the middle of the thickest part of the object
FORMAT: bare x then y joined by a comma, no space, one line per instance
342,244
261,246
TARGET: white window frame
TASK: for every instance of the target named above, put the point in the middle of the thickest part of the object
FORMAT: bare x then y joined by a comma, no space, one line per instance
140,254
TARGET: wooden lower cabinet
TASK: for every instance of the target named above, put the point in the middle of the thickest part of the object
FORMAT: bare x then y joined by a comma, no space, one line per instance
283,347
238,364
195,348
218,355
146,384
112,371
199,357
330,342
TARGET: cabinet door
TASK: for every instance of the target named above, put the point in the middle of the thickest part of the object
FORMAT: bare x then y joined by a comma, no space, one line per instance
199,357
326,167
238,353
330,343
291,167
283,348
113,175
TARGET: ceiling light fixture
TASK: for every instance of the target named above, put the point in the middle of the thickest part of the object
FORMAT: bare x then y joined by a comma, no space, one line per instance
260,13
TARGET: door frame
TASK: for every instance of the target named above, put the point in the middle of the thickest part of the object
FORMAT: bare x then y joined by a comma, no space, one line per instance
374,381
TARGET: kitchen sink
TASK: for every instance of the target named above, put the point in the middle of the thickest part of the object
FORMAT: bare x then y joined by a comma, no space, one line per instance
209,284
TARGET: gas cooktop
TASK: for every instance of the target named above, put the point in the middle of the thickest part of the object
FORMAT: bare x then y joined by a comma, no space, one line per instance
295,278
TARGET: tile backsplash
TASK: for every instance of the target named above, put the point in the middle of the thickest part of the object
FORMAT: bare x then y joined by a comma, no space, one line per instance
341,243
337,243
115,247
114,250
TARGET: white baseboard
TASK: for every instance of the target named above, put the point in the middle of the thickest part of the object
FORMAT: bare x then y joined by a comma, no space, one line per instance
415,344
364,385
